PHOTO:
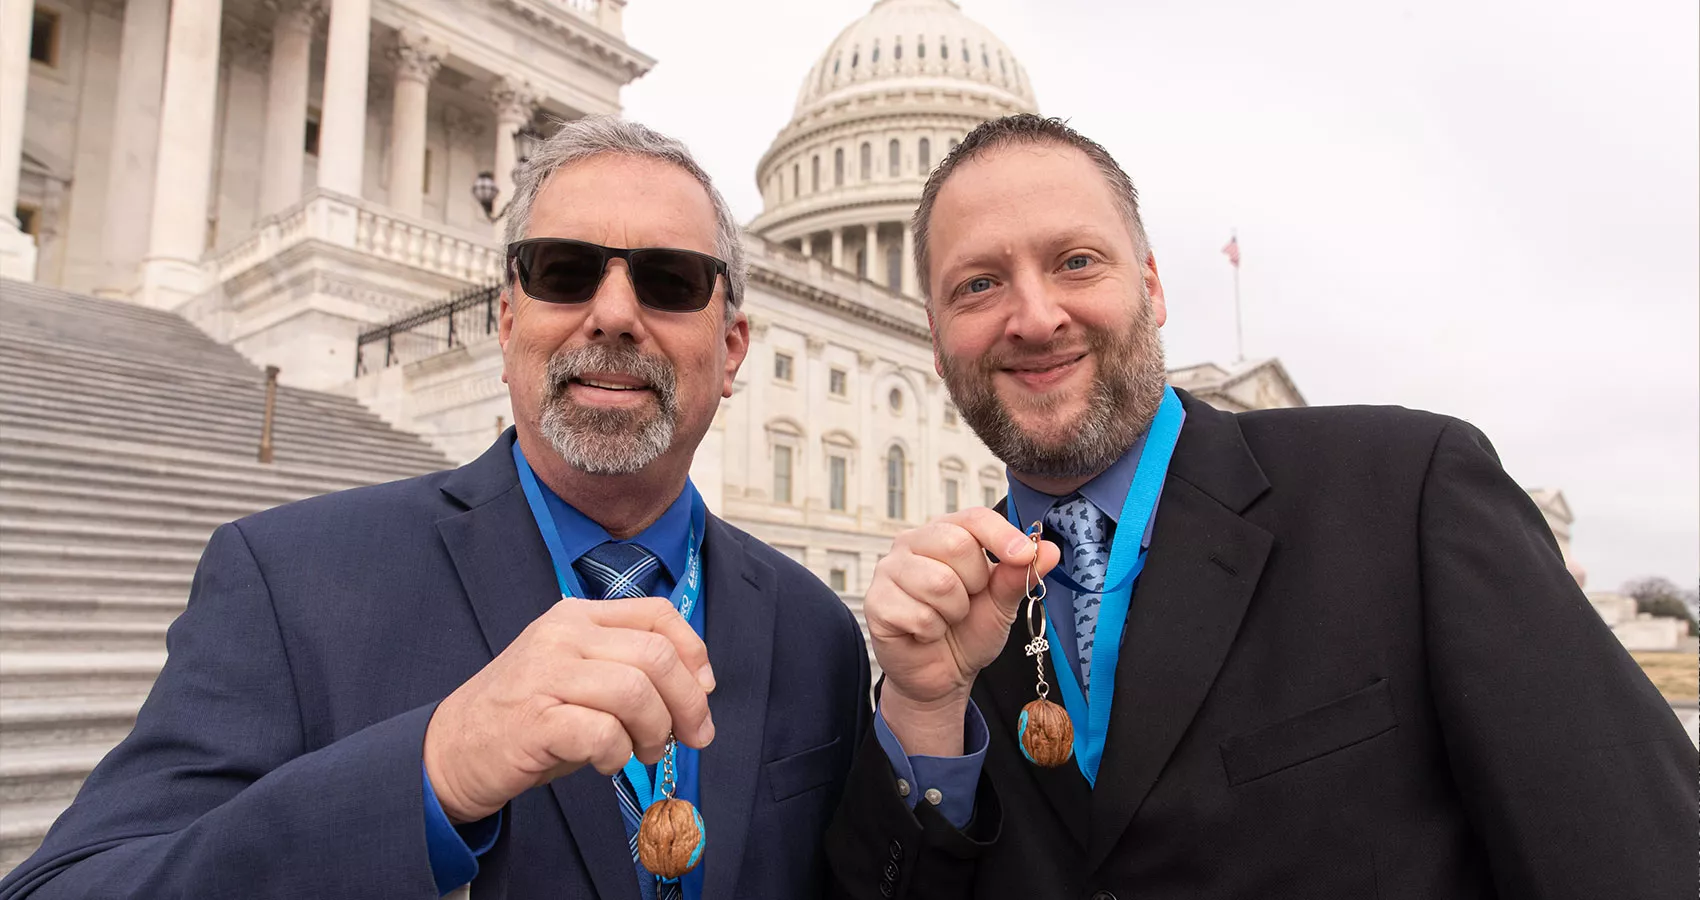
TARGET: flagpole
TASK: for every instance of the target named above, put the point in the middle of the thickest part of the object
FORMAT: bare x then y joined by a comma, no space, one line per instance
1239,326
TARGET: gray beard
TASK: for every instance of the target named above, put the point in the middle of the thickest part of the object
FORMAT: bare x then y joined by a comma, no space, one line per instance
609,441
1126,390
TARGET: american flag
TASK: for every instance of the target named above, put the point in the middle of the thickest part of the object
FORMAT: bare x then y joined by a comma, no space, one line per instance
1232,250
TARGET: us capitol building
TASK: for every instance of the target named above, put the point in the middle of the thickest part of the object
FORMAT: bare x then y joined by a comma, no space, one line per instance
293,176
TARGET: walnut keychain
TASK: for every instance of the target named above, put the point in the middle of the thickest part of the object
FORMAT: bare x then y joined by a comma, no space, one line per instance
1046,734
670,836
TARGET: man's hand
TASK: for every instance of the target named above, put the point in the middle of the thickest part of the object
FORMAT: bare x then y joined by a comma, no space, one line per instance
938,612
590,682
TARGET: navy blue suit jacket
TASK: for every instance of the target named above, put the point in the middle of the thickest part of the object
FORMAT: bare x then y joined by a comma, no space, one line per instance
279,753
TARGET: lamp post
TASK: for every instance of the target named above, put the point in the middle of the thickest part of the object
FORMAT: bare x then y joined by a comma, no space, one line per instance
484,187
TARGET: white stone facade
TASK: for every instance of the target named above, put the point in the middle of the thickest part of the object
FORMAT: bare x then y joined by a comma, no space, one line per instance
289,173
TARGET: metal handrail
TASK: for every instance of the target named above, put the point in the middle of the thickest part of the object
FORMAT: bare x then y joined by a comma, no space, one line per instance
433,329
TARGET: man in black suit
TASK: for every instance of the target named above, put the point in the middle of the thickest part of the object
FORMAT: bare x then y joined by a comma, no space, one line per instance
385,693
1305,653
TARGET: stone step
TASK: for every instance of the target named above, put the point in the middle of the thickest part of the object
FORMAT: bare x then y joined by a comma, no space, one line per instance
93,559
81,452
230,435
285,452
45,774
240,403
27,518
45,674
139,501
137,534
74,604
59,360
23,634
58,578
29,724
22,828
75,465
73,314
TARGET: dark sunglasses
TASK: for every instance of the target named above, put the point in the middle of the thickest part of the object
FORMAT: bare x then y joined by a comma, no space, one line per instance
557,270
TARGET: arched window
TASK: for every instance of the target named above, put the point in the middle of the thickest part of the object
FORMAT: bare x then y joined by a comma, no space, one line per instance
856,55
964,50
836,63
920,47
876,57
984,59
796,181
944,49
895,499
814,174
925,156
895,153
953,143
897,49
867,161
838,167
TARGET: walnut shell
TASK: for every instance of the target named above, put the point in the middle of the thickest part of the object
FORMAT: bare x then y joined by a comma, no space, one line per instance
1047,735
671,838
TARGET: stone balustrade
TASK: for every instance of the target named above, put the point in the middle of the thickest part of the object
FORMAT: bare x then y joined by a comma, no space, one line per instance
368,229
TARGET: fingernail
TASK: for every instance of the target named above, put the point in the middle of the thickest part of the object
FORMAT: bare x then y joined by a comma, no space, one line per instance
708,730
1017,547
705,677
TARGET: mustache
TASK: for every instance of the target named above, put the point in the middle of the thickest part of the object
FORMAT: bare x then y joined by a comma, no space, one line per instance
653,372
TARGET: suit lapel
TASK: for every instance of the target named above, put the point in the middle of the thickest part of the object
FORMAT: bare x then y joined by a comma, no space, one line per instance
1204,564
509,580
740,607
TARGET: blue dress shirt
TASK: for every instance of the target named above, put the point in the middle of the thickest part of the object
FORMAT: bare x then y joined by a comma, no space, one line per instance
454,850
956,777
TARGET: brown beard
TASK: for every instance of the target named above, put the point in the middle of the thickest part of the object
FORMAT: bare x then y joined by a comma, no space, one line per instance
1126,390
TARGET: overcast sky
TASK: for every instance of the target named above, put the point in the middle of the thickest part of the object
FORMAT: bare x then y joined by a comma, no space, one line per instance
1488,208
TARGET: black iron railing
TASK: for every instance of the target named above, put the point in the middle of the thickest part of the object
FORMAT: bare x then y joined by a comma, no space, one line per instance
465,317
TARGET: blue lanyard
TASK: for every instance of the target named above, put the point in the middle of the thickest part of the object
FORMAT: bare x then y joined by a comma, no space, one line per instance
1127,559
685,596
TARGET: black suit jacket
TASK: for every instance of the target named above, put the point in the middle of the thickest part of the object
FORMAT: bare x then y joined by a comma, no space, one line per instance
279,754
1354,667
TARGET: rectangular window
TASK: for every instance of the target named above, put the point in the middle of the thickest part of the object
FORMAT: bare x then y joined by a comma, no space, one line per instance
838,383
838,580
29,219
951,501
311,144
991,496
837,470
782,474
425,183
950,416
782,366
44,38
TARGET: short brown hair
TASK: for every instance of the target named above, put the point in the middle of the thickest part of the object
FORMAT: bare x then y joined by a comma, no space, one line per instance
1024,128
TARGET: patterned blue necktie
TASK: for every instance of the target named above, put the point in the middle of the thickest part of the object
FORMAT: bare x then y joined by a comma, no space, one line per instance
613,570
1085,531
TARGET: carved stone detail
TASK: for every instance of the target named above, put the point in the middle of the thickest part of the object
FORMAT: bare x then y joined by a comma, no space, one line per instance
514,100
415,56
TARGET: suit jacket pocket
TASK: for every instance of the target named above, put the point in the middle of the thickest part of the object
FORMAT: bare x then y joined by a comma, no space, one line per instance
799,772
1336,725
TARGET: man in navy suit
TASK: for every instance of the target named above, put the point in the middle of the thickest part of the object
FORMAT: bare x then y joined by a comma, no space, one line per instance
468,677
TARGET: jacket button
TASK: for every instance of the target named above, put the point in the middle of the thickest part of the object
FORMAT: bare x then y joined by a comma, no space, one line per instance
885,889
896,851
891,872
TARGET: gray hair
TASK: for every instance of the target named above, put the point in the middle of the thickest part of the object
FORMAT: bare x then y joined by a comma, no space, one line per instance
1025,129
581,139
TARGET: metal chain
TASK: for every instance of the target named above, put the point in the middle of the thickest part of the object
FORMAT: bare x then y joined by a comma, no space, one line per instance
1037,644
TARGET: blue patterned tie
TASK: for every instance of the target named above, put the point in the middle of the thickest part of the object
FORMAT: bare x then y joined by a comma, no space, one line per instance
1085,531
613,570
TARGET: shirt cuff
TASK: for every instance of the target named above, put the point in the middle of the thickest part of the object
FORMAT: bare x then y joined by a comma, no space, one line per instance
454,850
954,778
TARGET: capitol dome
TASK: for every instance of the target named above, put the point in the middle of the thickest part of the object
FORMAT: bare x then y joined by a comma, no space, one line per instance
886,101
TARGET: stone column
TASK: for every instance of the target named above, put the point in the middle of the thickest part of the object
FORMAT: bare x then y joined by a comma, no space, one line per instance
135,144
182,184
515,101
17,250
342,130
284,157
908,263
838,248
871,253
416,60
